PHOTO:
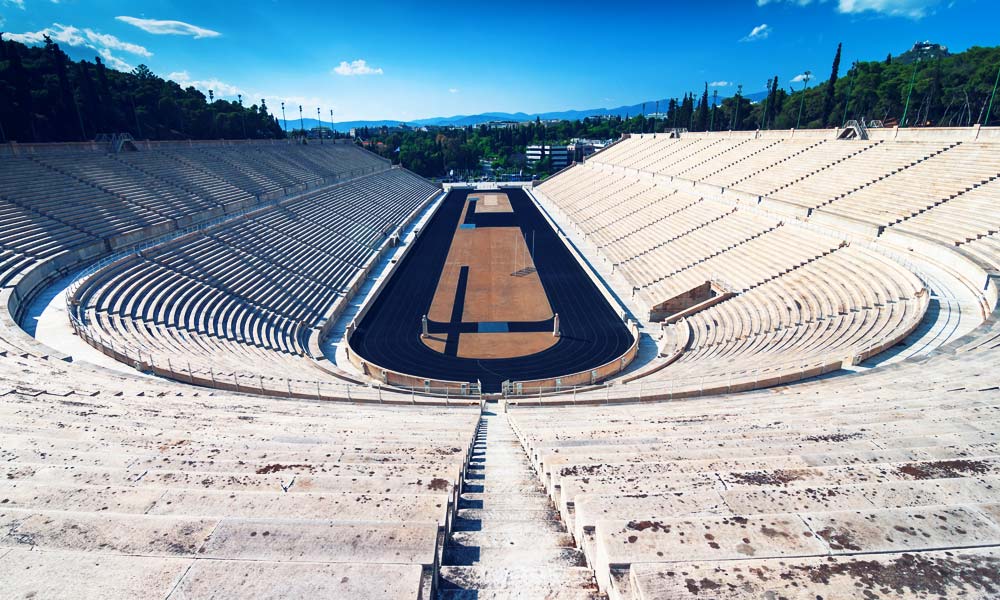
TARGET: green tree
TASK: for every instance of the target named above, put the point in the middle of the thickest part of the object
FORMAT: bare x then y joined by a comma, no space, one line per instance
831,88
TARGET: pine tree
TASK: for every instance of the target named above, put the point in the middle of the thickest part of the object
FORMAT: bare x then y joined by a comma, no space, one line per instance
829,98
89,101
703,110
23,111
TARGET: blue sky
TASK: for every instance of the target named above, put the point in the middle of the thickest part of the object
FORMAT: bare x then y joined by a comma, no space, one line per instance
406,60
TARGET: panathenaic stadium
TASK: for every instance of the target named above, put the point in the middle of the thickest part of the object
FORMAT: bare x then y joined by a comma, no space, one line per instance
696,365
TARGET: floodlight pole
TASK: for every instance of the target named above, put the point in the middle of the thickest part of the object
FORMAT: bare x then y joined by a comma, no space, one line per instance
243,116
850,90
989,111
319,130
739,100
302,125
715,100
906,108
805,86
763,113
331,124
284,121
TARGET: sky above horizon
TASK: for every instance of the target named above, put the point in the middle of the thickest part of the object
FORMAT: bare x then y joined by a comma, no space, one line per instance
407,60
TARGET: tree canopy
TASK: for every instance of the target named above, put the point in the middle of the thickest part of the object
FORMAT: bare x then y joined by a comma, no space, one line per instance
46,97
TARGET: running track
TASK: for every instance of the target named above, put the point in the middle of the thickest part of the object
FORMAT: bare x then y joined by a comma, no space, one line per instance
389,335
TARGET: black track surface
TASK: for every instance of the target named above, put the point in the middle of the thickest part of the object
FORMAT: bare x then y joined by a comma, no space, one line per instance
592,334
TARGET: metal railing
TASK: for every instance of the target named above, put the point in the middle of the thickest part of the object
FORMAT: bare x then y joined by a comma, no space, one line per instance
181,369
751,376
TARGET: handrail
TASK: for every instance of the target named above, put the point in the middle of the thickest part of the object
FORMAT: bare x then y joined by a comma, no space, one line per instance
753,375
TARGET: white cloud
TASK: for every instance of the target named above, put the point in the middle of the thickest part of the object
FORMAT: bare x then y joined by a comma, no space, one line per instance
101,43
759,32
227,90
799,2
356,67
800,77
220,88
914,9
720,84
109,41
14,3
162,27
453,90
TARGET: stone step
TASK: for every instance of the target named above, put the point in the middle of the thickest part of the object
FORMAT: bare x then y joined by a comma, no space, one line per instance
530,582
555,556
525,538
532,502
563,594
539,527
499,514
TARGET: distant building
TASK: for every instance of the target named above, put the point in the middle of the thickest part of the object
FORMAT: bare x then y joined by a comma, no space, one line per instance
579,149
320,132
559,155
501,124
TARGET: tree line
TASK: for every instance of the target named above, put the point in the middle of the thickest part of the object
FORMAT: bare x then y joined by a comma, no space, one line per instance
908,90
47,97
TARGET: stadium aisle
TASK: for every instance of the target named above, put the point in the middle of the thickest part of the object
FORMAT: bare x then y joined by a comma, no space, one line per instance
508,541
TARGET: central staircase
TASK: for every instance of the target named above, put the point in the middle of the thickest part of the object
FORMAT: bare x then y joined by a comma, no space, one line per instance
508,541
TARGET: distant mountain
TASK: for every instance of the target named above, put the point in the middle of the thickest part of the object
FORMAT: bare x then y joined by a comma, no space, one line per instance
466,120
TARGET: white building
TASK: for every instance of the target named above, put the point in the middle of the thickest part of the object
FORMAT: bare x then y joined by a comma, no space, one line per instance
560,155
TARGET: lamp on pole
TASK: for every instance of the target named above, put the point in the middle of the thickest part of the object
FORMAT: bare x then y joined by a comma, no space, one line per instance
284,121
715,102
243,117
739,100
850,90
319,127
989,111
302,126
906,108
763,113
805,85
331,124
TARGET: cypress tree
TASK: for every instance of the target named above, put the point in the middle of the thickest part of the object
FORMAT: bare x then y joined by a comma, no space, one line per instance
703,111
829,98
24,112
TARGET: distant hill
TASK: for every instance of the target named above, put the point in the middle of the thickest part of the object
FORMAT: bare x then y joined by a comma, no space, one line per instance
922,51
466,120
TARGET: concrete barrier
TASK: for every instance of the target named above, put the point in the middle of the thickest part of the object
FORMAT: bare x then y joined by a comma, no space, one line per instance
580,378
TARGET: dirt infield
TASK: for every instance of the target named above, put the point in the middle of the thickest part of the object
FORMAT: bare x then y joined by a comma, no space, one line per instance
489,306
492,203
489,270
503,283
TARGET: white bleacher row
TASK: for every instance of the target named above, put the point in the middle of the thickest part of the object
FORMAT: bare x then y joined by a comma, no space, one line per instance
665,237
899,460
236,296
832,305
940,190
175,495
908,184
117,486
914,190
74,206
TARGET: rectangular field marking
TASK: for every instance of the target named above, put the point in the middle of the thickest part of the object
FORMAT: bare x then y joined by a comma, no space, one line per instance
494,292
503,345
494,203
